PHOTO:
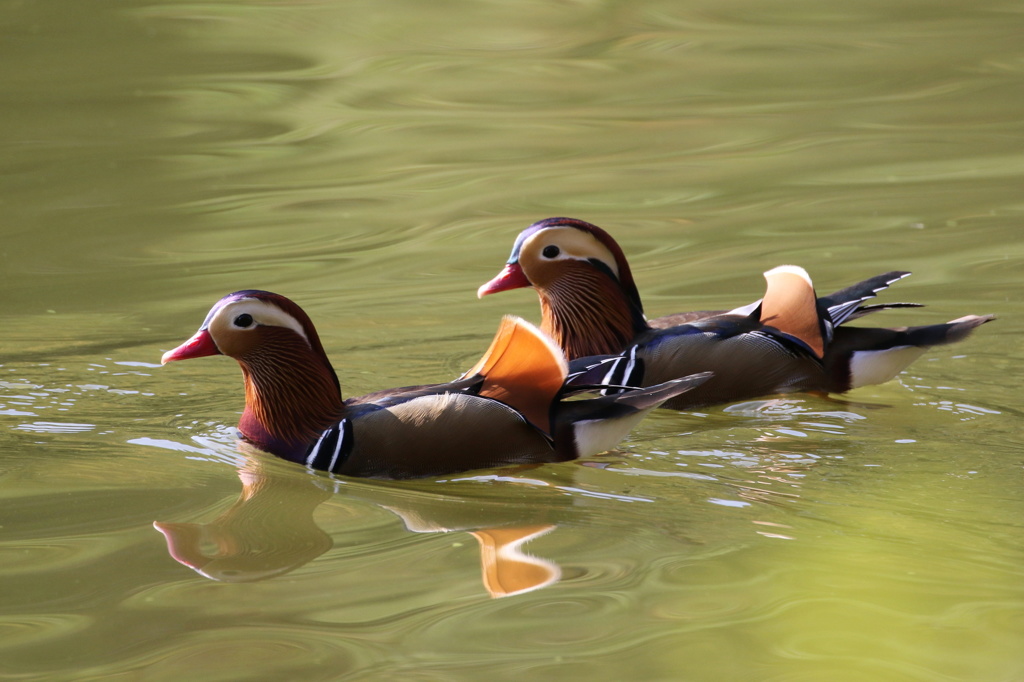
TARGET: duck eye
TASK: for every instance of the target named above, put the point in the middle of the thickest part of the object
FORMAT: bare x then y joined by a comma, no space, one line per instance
244,320
551,251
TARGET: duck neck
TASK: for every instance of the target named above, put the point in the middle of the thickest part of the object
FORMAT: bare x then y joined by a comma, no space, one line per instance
291,396
589,313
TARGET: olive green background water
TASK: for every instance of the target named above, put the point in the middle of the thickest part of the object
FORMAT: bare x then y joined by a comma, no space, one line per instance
374,161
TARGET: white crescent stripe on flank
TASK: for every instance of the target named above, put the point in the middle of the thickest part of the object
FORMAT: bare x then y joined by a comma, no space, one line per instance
342,433
621,370
315,450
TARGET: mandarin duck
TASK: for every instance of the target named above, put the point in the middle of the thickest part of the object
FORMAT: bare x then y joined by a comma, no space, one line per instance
790,340
507,409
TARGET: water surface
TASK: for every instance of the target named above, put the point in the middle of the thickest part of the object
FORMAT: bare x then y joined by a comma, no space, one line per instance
374,162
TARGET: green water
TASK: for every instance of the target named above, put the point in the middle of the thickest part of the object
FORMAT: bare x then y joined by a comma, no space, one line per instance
374,162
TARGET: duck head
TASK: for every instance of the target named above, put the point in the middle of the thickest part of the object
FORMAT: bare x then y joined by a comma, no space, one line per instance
589,301
291,391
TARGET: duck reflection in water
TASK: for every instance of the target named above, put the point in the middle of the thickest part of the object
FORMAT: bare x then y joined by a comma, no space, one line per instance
252,540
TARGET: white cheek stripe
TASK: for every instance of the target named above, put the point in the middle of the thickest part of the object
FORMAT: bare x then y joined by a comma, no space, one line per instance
575,244
264,313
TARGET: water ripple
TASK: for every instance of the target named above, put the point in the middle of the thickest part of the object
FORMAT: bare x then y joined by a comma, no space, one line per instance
28,631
